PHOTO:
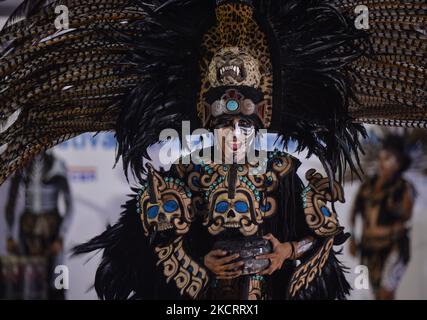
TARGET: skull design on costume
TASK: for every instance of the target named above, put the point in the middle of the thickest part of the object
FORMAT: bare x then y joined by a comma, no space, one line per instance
235,213
243,212
164,206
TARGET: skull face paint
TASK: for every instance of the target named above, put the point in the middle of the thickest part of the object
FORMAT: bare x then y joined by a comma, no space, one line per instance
234,137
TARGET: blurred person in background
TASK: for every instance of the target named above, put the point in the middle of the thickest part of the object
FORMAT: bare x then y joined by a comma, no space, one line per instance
384,203
42,226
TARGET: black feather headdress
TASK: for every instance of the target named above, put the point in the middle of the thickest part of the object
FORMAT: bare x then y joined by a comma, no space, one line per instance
137,67
310,42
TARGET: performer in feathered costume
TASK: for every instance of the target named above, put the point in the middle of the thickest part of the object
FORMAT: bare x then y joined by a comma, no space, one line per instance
210,230
385,203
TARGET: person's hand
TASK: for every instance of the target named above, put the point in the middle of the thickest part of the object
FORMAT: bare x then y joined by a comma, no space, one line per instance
353,247
222,266
281,252
56,247
11,246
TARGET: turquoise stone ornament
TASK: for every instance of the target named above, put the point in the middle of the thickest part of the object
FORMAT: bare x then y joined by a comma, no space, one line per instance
232,105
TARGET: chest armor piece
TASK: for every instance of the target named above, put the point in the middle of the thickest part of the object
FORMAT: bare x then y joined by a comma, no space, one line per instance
233,198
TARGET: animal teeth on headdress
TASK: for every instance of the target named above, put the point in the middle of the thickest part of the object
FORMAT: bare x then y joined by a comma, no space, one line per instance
235,69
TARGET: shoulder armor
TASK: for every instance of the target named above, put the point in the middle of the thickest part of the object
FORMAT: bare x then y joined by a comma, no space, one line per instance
164,205
319,217
281,163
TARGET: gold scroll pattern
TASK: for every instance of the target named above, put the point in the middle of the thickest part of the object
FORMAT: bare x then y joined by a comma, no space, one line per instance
309,270
190,278
321,219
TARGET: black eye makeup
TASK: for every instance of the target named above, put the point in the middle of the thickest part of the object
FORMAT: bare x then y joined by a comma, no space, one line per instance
245,123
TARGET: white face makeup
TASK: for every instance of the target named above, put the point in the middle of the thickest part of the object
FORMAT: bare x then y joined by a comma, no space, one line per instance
234,138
